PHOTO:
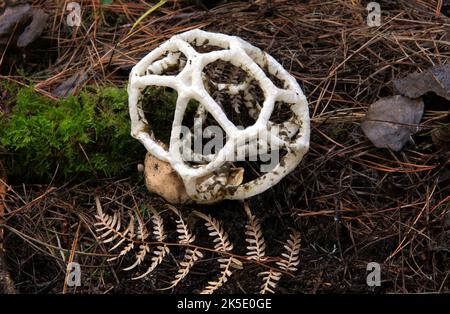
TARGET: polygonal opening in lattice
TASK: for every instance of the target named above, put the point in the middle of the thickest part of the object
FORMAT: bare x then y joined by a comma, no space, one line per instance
235,91
239,108
224,72
158,105
287,125
205,45
259,158
205,48
277,78
168,63
202,136
277,81
281,112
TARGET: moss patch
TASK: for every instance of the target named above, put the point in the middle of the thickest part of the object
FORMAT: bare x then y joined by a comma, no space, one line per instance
87,134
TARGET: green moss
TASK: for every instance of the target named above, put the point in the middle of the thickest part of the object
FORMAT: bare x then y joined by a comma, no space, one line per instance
88,134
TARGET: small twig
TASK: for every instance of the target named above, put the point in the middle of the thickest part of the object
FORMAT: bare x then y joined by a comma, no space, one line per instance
6,283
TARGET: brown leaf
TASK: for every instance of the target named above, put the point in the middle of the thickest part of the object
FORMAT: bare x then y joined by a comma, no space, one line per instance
34,30
390,121
69,86
435,79
12,16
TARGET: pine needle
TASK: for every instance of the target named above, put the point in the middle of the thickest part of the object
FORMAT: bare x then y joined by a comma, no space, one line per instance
152,9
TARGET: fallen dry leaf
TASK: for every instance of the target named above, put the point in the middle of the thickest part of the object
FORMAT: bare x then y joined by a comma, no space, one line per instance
392,120
12,16
69,86
435,79
34,30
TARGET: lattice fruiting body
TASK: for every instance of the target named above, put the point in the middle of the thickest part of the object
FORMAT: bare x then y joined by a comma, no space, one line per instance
204,181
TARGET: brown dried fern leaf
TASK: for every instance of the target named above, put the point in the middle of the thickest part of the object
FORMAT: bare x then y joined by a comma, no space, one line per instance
222,244
109,227
185,236
290,259
142,235
128,235
270,281
215,230
226,264
191,256
255,239
288,262
160,251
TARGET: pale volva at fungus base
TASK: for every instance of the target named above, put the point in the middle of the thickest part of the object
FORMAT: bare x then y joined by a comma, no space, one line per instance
213,177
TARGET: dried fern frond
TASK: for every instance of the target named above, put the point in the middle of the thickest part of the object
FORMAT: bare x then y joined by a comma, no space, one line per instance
110,226
158,222
142,235
222,244
290,259
127,235
191,256
142,232
161,250
255,239
110,231
140,256
226,264
288,262
128,248
270,280
185,236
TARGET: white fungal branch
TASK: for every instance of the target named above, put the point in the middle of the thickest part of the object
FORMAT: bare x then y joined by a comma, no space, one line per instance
191,83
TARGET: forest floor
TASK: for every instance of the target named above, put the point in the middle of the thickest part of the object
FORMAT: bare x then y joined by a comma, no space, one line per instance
351,202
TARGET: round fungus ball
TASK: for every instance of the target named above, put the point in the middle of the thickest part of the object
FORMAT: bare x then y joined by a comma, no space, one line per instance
233,103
